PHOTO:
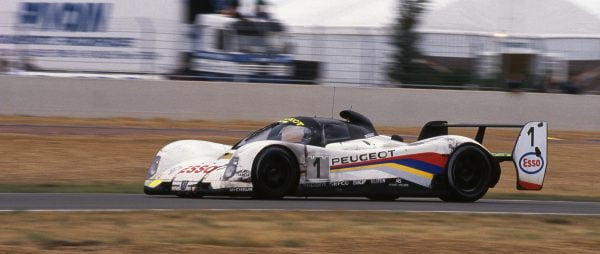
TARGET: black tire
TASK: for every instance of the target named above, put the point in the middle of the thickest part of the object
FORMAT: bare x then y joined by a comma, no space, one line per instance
469,174
274,173
383,197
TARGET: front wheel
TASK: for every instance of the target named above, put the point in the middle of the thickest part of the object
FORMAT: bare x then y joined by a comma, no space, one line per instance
274,173
469,174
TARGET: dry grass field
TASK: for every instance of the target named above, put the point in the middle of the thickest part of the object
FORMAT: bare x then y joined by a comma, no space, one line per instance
295,232
63,162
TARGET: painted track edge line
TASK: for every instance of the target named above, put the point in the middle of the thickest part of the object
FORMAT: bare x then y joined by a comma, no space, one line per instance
293,210
538,201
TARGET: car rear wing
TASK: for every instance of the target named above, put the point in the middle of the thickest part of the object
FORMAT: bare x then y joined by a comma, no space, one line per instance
529,154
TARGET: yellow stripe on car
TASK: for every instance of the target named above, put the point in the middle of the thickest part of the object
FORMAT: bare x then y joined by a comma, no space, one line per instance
226,156
406,169
154,183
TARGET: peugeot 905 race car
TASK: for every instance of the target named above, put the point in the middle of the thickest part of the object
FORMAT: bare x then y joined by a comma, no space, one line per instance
312,156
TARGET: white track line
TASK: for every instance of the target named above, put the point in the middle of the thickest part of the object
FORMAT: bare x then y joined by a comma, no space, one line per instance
288,210
539,201
320,198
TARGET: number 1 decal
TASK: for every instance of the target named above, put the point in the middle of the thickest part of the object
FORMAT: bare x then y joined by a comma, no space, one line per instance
317,168
531,133
318,165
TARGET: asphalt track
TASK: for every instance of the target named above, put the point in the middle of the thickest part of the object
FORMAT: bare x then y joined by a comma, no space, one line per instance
134,202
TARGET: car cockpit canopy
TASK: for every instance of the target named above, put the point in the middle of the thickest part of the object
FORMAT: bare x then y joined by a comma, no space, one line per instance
314,131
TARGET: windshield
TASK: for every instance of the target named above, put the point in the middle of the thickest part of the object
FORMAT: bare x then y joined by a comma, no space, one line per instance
270,43
260,37
279,131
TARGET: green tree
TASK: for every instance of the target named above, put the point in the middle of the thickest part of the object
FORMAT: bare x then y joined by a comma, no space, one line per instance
404,67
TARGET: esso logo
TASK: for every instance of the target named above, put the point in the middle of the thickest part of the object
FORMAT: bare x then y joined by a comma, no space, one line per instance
530,163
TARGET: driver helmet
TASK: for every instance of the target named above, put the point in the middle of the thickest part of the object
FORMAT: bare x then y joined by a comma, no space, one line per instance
293,134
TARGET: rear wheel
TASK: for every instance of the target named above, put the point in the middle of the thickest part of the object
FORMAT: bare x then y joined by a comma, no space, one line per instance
274,173
469,174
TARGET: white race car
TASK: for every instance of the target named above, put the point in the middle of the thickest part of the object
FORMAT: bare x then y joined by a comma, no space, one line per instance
312,156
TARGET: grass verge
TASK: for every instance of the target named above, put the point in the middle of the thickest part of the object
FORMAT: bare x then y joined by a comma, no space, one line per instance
294,232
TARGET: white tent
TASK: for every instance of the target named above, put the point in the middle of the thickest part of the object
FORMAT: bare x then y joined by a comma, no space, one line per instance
516,17
336,13
351,37
513,17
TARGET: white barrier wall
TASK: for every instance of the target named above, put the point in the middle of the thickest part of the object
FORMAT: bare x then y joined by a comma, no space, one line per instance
93,98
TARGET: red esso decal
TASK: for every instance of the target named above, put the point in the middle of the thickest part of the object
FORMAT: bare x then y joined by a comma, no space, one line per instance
527,163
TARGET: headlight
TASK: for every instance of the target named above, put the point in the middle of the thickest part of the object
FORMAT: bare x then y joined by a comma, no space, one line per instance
153,167
231,167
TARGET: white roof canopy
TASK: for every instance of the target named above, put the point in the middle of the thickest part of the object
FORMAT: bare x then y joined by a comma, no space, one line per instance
510,17
336,13
513,17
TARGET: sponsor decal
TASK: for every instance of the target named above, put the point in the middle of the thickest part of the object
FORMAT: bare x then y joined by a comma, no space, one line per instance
314,185
79,53
362,157
339,183
67,40
377,181
423,165
530,163
201,169
292,121
65,17
398,183
240,189
359,182
243,173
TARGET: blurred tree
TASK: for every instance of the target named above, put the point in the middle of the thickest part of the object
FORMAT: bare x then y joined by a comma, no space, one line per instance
405,66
